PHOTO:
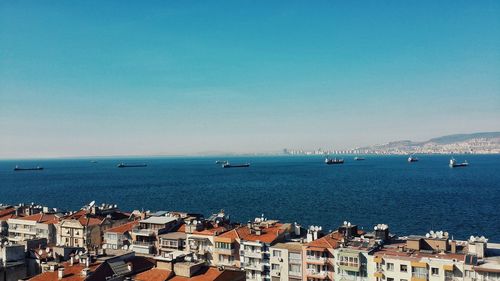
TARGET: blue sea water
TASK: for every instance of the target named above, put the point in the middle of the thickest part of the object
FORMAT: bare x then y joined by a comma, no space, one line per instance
412,198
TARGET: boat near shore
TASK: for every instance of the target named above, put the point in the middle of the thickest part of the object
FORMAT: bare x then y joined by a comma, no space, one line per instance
122,165
332,161
412,159
454,164
228,165
37,168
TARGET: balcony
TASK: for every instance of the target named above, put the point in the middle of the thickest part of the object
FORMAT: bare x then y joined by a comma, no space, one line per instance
295,274
23,230
252,254
143,247
254,278
316,260
254,266
143,232
223,251
311,273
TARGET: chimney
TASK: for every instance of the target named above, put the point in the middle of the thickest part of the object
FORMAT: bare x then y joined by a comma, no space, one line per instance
249,224
453,246
71,260
87,261
60,273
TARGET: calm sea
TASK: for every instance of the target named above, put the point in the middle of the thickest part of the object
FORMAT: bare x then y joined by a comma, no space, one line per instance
412,198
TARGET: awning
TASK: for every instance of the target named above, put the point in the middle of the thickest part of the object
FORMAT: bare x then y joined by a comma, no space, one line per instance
377,259
378,275
418,264
448,267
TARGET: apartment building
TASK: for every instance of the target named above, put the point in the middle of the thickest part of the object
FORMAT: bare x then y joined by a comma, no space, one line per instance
86,227
145,236
119,237
173,241
255,239
286,261
35,226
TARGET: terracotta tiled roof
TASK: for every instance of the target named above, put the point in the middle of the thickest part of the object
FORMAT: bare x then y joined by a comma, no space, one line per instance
154,274
71,273
90,221
7,211
9,216
123,228
210,274
42,218
269,234
328,241
212,231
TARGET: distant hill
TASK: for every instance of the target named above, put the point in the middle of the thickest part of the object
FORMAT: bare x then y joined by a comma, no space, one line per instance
464,137
481,143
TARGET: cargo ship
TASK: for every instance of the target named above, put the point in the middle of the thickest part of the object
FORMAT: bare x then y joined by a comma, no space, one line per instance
122,165
454,164
37,168
330,161
228,165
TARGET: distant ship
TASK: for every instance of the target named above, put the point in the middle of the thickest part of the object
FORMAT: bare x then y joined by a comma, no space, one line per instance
37,168
330,161
359,158
221,162
412,159
453,163
93,161
122,165
227,165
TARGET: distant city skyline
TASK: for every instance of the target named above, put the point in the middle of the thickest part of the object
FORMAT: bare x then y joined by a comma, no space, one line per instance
93,78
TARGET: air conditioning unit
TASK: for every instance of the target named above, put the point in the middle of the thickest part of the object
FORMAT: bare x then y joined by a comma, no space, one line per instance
280,259
278,273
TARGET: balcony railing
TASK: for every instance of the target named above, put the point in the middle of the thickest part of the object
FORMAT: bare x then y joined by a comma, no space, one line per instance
315,259
252,254
143,243
255,266
143,232
316,274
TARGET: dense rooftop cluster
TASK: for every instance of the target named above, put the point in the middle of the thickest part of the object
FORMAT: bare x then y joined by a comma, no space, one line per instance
101,242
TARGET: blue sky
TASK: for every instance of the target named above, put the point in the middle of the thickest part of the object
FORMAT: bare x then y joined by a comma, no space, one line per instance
178,77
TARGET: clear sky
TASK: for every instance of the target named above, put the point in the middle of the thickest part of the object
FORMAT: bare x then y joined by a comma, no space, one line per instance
178,77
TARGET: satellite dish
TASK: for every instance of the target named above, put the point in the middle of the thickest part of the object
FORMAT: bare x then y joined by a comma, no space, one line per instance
91,204
40,252
349,224
311,227
195,222
345,222
427,235
375,228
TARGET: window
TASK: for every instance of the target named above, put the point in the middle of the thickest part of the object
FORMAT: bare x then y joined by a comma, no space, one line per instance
390,279
403,268
276,253
390,267
275,266
403,279
295,268
435,271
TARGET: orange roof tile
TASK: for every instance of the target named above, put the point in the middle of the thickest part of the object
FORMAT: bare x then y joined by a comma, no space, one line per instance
328,241
7,211
154,274
42,218
123,228
71,273
210,275
211,231
269,234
